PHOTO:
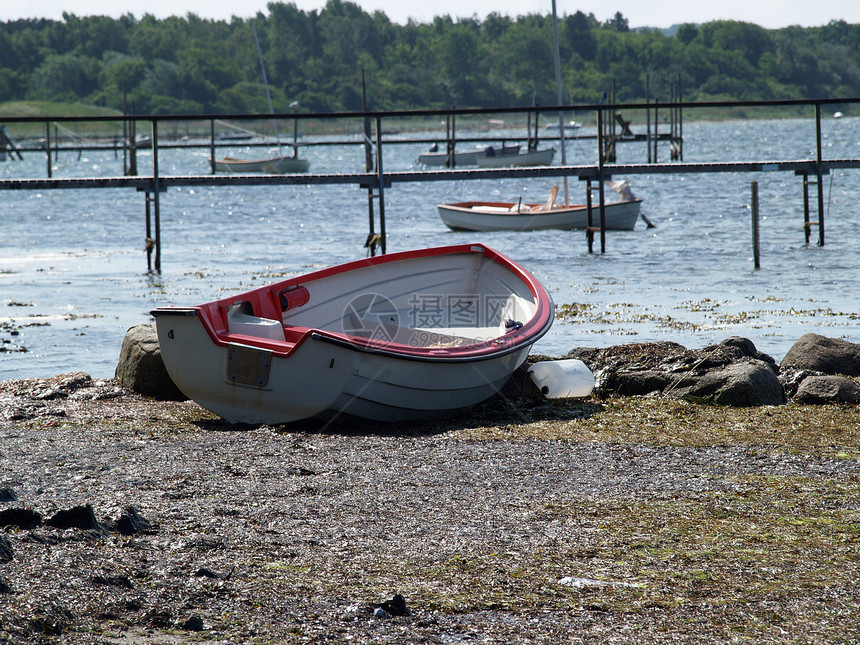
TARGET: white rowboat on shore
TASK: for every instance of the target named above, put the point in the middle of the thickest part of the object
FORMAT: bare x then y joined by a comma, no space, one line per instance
401,336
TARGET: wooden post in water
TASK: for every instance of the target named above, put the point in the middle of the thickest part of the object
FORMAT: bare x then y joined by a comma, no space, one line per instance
818,175
589,225
212,146
806,222
449,146
648,115
124,132
380,190
132,145
601,191
48,145
680,123
370,244
149,241
156,196
656,128
453,157
755,239
600,161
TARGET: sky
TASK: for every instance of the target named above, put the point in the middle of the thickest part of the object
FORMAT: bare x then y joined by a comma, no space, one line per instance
771,14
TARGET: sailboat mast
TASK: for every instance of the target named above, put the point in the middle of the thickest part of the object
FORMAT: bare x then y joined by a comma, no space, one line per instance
266,83
560,99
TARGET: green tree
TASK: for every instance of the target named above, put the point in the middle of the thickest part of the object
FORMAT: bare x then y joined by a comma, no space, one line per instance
749,40
618,23
65,77
687,33
187,64
579,35
120,74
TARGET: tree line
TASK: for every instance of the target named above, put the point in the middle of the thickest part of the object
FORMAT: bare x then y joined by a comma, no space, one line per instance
190,65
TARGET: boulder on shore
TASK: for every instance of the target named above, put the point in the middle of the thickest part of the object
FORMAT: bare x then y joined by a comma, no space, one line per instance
824,355
141,368
827,389
732,372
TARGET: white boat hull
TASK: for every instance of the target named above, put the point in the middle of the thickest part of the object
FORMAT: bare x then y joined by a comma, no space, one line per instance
441,158
534,158
323,380
461,157
506,216
327,358
272,166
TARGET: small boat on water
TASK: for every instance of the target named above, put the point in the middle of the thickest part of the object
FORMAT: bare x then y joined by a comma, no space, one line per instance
277,165
273,165
519,216
435,157
573,125
407,335
235,136
513,216
529,158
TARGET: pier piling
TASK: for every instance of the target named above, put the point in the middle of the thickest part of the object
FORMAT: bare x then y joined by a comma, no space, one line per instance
755,236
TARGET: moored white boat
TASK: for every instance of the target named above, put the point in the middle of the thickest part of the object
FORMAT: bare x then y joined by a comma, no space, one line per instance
272,165
508,216
530,158
435,157
278,165
400,336
519,216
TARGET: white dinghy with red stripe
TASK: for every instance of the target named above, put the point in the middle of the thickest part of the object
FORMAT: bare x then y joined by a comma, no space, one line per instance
401,336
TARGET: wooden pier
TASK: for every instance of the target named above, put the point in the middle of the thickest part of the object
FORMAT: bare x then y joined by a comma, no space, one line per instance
375,179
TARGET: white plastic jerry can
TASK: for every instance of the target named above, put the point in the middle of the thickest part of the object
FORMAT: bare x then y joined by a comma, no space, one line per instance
561,379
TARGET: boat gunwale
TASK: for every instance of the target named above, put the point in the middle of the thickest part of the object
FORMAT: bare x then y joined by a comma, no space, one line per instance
532,330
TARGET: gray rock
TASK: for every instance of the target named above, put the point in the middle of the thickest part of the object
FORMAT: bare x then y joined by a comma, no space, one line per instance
639,382
635,369
131,523
6,550
827,389
20,517
193,624
792,377
748,348
141,368
733,372
743,384
78,517
825,355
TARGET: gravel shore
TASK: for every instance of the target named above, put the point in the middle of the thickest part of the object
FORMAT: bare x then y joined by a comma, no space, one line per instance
626,520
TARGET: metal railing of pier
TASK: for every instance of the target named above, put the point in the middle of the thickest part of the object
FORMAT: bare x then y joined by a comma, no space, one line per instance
371,133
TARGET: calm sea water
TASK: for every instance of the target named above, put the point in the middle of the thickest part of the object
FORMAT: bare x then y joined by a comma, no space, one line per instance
73,273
